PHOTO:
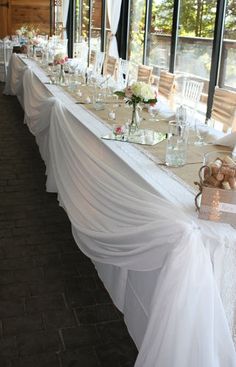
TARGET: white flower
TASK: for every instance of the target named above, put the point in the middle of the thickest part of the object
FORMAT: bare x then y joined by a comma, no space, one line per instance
142,90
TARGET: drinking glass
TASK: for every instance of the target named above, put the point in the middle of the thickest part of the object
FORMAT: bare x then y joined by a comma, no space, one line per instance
181,114
98,102
176,148
113,104
153,111
201,131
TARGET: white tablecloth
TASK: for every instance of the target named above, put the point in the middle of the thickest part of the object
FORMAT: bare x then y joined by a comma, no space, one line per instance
166,270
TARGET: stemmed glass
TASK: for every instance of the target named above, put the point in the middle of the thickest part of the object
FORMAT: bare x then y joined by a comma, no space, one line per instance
201,131
181,115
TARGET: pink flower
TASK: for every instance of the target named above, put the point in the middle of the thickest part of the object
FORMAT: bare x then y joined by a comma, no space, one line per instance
119,130
128,92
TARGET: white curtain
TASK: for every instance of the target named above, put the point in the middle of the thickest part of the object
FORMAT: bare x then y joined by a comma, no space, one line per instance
65,9
113,10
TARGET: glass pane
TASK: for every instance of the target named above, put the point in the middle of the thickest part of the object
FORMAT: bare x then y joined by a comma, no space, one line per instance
96,24
136,32
159,38
81,20
227,77
108,31
195,39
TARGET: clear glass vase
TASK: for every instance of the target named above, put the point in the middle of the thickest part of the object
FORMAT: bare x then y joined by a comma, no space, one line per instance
135,121
34,52
61,76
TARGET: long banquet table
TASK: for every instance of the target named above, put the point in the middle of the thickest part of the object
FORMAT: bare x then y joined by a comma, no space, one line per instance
172,275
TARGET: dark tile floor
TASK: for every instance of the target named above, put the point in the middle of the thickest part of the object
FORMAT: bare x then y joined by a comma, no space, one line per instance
54,310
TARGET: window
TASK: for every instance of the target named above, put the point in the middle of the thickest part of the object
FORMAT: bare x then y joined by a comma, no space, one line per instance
96,24
195,40
81,21
153,34
159,38
227,76
136,31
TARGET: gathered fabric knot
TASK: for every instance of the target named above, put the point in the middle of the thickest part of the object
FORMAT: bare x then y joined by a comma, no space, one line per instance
111,35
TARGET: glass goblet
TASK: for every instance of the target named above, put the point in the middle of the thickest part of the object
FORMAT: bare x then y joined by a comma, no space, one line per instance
201,131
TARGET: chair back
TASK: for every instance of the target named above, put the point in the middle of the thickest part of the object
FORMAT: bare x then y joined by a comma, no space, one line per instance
81,51
99,62
123,73
191,93
110,66
6,49
166,84
145,74
224,109
92,59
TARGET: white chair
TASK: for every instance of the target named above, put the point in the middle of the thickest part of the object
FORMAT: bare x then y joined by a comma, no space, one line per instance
100,56
81,54
5,55
191,93
123,73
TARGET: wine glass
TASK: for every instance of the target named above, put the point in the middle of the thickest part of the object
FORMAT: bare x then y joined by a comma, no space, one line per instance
201,130
181,115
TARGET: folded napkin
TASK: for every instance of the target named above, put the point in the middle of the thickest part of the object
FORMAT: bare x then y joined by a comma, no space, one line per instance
228,140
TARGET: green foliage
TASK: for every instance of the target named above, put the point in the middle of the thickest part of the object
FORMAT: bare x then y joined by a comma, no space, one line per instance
197,17
138,10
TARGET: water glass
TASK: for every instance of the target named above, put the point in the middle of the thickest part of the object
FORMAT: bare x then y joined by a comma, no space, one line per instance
98,102
176,149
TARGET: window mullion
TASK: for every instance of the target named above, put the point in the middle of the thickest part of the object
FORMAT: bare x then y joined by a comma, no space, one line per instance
216,53
174,35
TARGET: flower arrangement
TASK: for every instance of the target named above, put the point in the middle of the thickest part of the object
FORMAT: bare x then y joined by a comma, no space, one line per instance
60,59
21,31
27,31
138,92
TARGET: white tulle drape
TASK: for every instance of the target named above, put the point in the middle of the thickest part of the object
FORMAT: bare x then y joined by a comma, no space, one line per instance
65,9
113,11
117,221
